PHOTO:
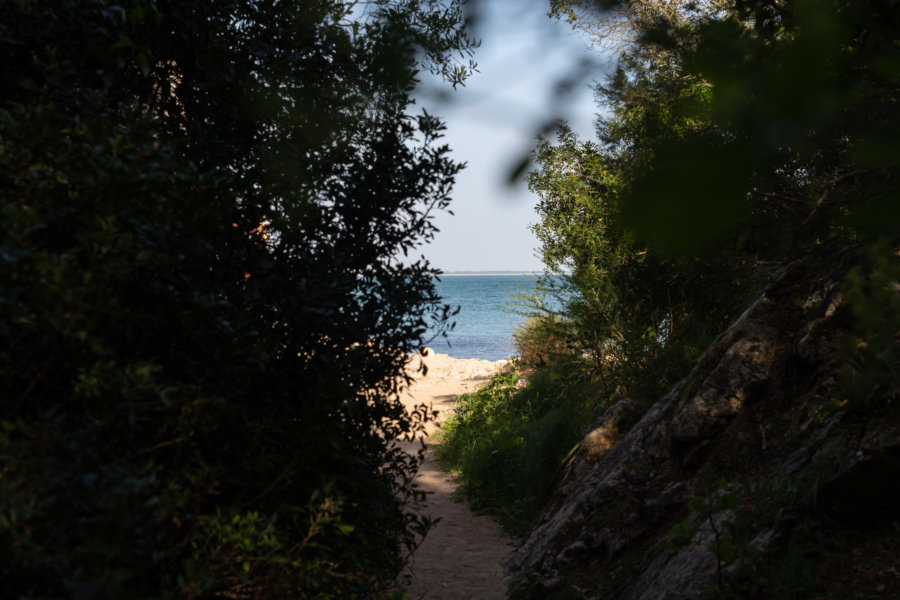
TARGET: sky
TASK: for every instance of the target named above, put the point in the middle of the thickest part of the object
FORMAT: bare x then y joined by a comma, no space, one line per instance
493,122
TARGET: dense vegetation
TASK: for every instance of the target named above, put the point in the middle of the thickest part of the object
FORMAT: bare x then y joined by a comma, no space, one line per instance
203,311
739,135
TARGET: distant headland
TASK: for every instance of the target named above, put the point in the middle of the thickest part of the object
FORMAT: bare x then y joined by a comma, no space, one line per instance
488,273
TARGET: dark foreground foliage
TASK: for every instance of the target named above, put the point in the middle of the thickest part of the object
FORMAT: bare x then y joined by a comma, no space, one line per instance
202,317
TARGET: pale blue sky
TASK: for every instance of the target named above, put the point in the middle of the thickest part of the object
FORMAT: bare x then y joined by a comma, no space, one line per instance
492,123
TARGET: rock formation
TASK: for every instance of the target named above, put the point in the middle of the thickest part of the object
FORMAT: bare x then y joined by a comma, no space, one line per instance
717,486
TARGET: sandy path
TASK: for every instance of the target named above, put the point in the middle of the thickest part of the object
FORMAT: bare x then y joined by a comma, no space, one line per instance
461,556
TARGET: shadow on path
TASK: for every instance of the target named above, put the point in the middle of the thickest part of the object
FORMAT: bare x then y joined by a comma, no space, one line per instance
461,557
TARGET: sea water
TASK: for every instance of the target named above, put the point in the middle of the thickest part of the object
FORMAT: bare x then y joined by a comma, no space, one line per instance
487,318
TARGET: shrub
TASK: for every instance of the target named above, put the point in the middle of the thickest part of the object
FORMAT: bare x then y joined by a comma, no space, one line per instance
541,339
202,318
508,443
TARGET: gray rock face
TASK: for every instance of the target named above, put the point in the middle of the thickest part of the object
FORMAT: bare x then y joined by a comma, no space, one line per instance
597,443
747,366
605,534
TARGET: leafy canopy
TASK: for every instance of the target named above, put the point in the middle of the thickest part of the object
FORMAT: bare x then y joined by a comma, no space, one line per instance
739,134
204,307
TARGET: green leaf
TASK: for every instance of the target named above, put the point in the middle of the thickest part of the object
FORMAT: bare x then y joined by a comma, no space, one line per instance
143,62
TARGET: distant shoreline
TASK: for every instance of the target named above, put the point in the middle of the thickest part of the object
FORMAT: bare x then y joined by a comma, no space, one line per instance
488,273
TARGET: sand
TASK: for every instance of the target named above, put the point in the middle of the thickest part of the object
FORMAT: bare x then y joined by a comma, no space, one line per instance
460,557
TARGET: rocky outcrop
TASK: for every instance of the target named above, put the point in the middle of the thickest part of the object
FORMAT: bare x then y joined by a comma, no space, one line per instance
708,480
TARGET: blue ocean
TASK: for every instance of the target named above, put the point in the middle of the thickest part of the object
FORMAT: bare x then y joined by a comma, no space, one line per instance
485,323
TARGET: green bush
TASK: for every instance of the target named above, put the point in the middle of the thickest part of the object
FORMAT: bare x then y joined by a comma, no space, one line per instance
202,317
867,346
508,443
541,339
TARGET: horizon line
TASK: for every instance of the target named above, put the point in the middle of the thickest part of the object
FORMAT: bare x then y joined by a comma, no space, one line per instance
491,272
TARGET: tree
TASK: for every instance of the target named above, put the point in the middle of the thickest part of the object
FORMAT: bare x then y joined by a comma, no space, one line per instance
192,407
740,135
622,26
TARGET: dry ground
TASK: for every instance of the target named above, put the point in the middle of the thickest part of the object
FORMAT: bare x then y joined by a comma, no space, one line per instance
461,556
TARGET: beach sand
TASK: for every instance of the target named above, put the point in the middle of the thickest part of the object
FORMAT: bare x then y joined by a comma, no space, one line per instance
460,557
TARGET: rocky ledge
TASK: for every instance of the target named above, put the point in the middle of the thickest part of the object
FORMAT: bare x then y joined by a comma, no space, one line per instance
752,472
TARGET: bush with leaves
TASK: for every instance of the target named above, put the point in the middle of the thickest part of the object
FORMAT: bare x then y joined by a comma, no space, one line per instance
204,316
509,442
739,135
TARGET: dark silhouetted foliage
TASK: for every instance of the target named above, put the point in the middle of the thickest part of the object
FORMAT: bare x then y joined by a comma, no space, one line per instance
203,311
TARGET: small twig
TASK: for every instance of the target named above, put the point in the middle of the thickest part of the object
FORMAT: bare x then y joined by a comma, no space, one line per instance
786,198
272,485
828,189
